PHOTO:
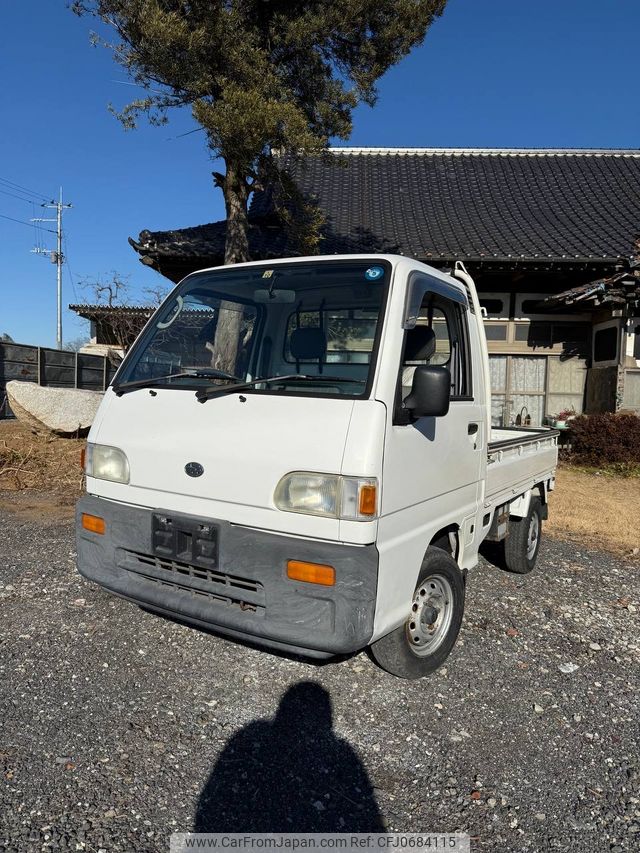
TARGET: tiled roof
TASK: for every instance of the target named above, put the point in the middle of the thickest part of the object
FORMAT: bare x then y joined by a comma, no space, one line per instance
90,312
206,242
617,289
447,204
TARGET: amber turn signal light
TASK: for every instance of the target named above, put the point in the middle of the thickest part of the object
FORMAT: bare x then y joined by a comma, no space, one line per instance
297,570
367,503
93,523
83,456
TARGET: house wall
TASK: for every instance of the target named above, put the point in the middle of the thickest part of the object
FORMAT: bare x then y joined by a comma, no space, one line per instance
631,390
631,377
538,359
614,385
544,363
543,359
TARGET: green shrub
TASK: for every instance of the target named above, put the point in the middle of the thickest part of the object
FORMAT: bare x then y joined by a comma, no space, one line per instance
605,440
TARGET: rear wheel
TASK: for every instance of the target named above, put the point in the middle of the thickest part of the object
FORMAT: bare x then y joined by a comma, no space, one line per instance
523,542
423,642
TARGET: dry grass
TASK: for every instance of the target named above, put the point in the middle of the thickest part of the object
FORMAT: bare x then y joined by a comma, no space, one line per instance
40,462
597,509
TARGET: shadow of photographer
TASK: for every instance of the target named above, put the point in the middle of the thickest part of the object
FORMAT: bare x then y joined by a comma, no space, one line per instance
290,774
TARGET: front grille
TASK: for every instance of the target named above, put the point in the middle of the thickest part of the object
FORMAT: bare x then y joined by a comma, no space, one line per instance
210,575
214,585
245,606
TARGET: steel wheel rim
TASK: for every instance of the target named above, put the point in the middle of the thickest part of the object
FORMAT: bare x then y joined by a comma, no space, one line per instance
433,598
533,536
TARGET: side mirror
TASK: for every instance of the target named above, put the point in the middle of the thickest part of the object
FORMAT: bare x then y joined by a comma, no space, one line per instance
430,392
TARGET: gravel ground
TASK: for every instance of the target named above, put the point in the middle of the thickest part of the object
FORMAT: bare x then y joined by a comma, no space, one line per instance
118,727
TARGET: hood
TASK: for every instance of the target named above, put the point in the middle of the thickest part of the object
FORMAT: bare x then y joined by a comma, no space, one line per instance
244,442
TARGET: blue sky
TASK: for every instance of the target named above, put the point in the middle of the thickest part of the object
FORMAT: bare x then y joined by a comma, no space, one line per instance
491,73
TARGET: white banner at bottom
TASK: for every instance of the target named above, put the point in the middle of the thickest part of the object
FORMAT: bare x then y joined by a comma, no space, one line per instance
429,842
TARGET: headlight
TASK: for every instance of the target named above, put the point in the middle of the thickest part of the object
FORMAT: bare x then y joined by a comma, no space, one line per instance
106,463
348,498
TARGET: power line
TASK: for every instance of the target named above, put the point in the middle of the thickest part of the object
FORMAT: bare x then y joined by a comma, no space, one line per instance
139,86
188,133
20,188
24,222
19,197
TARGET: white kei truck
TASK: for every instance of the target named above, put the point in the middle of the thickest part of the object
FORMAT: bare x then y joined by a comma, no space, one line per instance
299,454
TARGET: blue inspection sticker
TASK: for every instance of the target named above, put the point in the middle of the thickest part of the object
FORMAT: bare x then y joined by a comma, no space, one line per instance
374,273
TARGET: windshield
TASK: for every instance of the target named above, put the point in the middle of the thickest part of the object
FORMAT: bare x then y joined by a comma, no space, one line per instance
313,324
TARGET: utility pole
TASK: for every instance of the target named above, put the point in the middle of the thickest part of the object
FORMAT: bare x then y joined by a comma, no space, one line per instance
57,257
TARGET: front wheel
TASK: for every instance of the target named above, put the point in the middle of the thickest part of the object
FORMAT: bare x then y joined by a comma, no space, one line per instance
423,642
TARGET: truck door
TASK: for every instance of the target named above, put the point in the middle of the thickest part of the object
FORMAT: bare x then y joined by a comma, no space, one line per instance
432,466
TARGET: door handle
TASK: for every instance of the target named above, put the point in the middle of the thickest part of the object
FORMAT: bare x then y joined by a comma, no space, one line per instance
473,431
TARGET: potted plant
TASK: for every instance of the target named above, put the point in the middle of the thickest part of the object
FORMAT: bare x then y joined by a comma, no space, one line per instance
561,420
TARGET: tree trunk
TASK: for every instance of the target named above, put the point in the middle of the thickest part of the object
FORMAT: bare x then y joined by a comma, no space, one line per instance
236,196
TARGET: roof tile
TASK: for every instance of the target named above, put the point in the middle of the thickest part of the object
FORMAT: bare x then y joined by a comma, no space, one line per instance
450,204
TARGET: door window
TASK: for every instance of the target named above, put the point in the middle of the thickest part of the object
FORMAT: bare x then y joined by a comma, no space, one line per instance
440,326
438,338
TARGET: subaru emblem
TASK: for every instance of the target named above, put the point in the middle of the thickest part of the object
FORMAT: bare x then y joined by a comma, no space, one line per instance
194,469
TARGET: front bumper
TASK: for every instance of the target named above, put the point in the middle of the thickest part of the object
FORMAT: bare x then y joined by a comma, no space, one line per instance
245,593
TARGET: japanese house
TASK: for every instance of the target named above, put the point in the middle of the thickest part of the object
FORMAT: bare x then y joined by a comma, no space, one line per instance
536,229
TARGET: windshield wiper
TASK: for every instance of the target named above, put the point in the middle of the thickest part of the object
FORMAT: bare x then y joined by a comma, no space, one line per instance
204,394
199,372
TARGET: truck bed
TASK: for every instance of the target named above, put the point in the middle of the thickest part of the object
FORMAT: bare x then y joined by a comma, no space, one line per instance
518,458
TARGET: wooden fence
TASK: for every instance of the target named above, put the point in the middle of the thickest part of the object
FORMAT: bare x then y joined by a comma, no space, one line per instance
51,367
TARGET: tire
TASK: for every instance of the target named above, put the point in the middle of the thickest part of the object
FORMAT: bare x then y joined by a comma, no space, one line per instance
417,648
523,540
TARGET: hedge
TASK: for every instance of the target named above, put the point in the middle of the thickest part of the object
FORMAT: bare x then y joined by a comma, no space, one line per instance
605,439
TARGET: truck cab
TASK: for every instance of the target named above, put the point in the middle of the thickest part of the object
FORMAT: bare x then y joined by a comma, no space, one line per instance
298,453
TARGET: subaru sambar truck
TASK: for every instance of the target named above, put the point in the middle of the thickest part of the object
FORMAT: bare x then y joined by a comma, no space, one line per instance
299,453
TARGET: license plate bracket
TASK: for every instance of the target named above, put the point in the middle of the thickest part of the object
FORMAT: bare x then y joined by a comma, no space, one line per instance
185,539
